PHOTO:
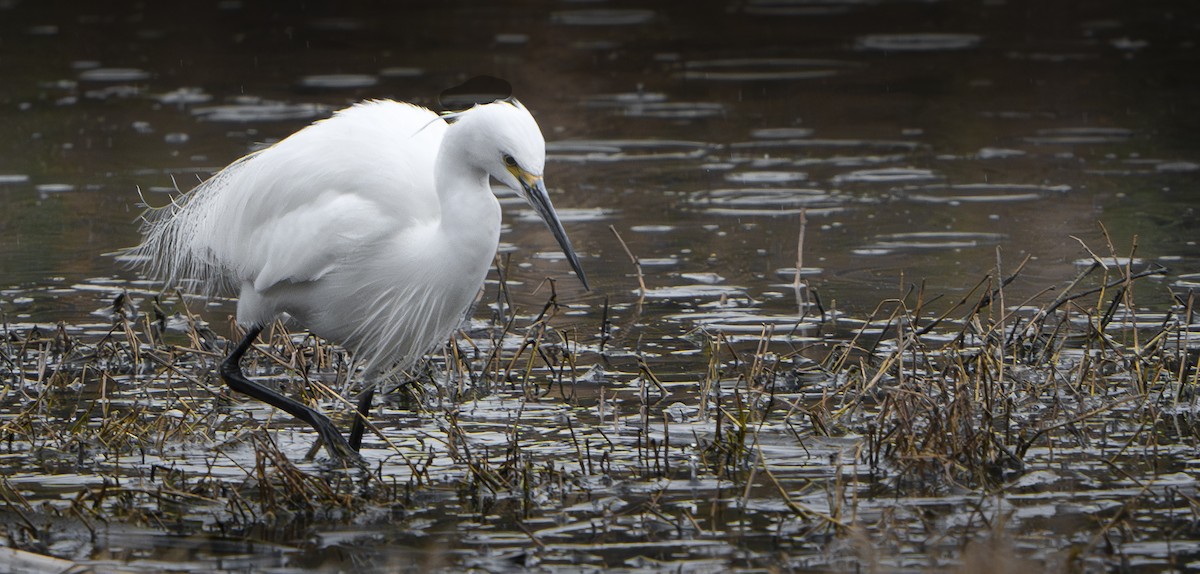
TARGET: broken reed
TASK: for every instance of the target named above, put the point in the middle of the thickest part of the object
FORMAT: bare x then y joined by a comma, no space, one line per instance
63,387
951,398
117,408
961,406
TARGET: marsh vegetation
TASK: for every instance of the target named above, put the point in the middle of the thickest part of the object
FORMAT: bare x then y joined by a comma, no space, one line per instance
934,432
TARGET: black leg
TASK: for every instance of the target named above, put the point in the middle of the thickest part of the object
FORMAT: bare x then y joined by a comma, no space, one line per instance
360,421
231,371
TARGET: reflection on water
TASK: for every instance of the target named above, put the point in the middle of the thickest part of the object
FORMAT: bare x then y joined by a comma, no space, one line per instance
926,142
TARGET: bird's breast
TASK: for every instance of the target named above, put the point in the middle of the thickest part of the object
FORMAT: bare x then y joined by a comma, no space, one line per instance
405,295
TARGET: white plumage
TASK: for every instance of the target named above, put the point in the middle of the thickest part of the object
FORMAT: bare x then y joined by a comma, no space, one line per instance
374,228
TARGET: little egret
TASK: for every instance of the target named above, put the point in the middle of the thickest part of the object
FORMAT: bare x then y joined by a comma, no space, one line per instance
373,228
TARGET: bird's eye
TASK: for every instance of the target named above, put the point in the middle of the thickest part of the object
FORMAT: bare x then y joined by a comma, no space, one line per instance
509,161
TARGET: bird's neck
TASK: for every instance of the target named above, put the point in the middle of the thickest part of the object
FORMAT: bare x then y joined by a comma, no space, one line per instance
463,189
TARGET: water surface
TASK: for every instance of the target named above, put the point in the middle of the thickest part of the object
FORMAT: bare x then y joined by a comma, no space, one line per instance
926,144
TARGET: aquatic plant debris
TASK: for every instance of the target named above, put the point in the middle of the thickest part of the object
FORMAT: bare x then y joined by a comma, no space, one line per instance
984,419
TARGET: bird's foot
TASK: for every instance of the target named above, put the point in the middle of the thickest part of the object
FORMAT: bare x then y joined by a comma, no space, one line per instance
338,449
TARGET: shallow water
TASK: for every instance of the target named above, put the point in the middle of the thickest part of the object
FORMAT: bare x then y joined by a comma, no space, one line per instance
926,144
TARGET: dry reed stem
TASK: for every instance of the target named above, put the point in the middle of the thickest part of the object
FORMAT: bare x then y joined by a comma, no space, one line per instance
934,415
797,282
637,264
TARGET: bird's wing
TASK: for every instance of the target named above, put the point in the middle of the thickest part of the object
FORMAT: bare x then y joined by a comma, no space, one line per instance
294,211
308,242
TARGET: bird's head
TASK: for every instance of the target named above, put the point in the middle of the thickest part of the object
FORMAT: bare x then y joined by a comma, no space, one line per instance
507,143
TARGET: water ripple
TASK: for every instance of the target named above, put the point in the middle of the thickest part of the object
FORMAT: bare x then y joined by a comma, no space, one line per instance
800,7
928,240
184,96
114,75
826,143
766,176
568,214
602,17
48,188
884,175
998,153
1176,166
653,105
781,133
695,292
761,69
626,150
260,111
624,100
931,42
980,192
338,81
743,322
1080,135
676,110
401,72
1111,262
766,201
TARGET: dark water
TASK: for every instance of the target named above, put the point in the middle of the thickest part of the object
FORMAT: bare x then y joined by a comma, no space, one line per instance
921,137
929,142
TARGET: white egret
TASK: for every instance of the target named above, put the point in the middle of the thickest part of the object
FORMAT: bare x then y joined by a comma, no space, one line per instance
373,228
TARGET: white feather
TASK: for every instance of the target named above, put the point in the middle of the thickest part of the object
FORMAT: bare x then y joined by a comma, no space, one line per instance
374,228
